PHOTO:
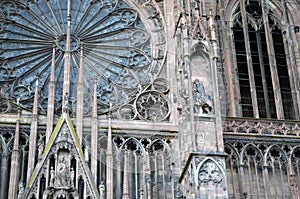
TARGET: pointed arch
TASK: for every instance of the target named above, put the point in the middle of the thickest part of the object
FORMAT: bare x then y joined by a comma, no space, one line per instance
160,141
135,141
210,175
276,164
273,89
247,146
216,167
268,150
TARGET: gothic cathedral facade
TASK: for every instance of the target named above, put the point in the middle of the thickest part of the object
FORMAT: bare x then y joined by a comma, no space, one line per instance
149,99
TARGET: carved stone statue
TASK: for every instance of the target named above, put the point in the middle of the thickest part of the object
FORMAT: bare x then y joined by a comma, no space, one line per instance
66,103
21,190
62,178
72,175
86,154
40,149
201,100
102,189
52,176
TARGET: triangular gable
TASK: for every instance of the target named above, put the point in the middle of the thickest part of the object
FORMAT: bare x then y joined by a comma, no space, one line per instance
199,29
64,119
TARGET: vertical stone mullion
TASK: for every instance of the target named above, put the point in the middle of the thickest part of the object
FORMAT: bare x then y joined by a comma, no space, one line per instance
163,175
282,180
249,59
250,178
155,183
263,74
272,61
298,173
292,75
4,174
229,60
118,182
242,179
232,177
257,180
135,174
274,178
266,181
125,194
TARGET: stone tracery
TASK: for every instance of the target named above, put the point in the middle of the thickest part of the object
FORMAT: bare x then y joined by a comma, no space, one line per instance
121,59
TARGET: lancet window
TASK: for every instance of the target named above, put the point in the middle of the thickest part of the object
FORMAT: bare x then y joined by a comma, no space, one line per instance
264,61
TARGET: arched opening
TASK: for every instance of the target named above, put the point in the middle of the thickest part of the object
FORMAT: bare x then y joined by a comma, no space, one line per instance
277,173
81,188
42,186
261,60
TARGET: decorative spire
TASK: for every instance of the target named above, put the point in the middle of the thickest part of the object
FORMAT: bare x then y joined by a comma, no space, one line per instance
94,136
51,96
79,115
109,159
33,129
14,177
67,63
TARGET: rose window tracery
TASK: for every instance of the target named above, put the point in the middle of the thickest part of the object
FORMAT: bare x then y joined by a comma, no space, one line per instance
116,49
152,106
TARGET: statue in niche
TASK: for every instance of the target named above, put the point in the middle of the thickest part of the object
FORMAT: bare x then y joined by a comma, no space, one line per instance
201,100
62,178
52,176
86,154
61,183
21,190
102,188
66,103
40,148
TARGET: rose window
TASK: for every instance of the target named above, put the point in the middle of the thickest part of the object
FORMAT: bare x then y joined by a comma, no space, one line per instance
116,50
